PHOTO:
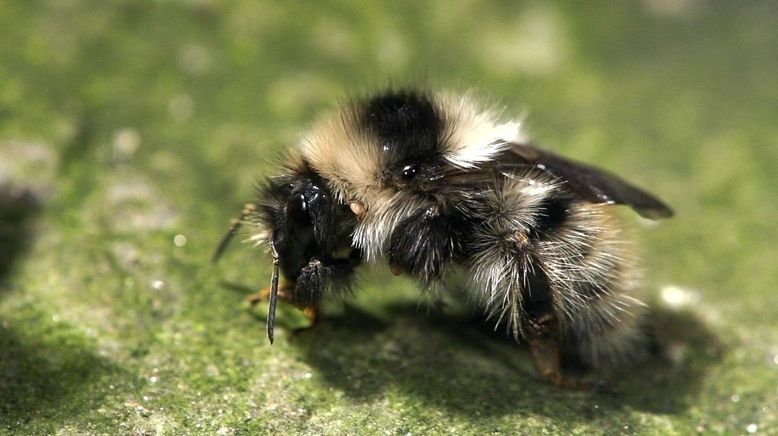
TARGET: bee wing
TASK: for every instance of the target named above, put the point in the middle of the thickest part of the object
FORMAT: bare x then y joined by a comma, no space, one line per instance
587,182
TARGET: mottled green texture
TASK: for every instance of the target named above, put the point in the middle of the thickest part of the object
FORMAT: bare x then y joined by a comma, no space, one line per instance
124,124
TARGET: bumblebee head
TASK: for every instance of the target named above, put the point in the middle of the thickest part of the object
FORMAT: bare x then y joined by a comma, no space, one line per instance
301,225
308,232
307,227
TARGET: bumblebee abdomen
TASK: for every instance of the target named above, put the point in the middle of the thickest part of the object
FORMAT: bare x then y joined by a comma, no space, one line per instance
540,251
593,280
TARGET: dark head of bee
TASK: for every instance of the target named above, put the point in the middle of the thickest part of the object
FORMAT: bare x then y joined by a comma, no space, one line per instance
310,233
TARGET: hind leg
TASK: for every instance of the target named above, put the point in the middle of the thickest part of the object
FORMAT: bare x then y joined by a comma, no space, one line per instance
542,335
542,339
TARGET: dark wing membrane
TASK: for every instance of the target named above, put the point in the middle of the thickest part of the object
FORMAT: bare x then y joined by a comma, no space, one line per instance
587,182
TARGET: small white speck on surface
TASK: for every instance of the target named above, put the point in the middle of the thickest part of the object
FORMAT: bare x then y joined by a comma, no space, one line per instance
775,359
307,375
752,428
126,142
142,411
677,297
55,318
179,240
157,285
735,398
153,379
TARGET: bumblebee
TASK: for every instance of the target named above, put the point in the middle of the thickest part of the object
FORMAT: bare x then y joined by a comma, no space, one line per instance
440,188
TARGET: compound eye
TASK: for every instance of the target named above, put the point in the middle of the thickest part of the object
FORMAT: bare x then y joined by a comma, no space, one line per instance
409,172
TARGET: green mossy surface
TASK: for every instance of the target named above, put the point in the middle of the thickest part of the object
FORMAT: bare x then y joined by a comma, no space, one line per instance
125,124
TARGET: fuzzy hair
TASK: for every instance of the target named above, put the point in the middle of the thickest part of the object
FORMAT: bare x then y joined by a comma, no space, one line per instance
474,134
589,272
589,269
350,158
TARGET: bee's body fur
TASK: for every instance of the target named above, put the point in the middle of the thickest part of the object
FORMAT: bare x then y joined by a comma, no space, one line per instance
436,185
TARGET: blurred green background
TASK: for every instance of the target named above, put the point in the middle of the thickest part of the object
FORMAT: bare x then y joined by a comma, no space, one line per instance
131,132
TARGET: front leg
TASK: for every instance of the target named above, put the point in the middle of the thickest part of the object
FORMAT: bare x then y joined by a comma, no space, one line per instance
311,310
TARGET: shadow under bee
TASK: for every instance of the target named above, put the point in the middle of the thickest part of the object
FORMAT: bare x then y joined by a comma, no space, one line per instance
458,362
682,350
41,374
17,208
